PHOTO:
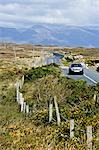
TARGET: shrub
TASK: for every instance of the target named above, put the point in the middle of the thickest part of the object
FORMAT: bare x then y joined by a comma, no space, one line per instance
40,72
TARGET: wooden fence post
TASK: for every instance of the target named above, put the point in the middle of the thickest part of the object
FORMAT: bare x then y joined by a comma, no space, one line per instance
95,96
20,84
89,137
50,111
57,111
22,104
24,107
72,128
20,98
27,109
22,80
17,91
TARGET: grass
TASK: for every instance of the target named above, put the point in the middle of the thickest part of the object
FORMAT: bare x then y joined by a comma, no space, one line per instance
66,63
75,101
33,131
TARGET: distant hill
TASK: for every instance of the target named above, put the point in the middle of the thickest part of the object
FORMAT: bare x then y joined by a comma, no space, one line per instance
48,34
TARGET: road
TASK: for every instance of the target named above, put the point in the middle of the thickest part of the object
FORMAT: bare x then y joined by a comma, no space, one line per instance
90,76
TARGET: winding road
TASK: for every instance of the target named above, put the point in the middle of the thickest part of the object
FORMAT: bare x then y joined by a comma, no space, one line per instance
90,76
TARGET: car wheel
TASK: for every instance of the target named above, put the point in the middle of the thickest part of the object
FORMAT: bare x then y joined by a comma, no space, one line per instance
70,72
82,72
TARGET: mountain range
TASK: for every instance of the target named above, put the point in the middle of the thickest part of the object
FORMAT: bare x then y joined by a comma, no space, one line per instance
53,34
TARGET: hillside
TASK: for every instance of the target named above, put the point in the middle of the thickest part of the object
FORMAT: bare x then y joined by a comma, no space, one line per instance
52,34
33,131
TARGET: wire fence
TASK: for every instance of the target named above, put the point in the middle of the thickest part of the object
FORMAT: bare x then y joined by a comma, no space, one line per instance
53,106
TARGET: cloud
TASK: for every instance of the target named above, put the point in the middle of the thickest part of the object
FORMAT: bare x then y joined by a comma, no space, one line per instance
19,13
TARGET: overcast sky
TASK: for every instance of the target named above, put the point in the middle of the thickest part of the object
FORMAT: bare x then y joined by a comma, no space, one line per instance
24,13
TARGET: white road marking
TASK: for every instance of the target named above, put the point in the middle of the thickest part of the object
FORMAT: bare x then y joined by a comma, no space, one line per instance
66,67
90,79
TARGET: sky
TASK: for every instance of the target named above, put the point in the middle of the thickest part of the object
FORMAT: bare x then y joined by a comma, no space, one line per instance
25,13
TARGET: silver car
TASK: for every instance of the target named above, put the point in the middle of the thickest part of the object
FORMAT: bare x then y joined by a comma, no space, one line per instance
76,69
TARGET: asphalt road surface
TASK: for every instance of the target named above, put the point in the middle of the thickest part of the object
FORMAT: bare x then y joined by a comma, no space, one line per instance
90,76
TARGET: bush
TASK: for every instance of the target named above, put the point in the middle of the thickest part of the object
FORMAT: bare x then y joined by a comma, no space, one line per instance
90,62
40,72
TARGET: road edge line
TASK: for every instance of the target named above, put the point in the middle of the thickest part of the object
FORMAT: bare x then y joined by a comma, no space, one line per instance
90,79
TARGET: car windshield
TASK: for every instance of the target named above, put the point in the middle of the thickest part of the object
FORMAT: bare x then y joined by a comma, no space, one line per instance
76,65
